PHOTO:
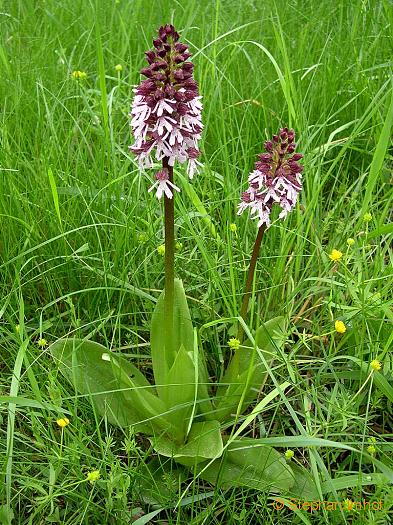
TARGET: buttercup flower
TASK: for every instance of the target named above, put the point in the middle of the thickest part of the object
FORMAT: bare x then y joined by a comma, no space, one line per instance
233,228
63,422
276,179
79,75
234,343
289,454
42,343
376,365
166,111
93,476
340,327
367,217
335,255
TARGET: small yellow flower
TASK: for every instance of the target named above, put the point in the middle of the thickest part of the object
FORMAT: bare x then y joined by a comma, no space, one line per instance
63,422
335,255
142,237
289,454
371,450
17,328
178,246
376,365
42,343
93,476
79,75
234,343
348,504
233,228
372,439
350,241
367,217
118,67
161,249
340,327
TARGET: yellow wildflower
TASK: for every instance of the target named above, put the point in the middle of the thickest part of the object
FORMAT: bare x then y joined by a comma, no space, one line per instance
289,454
233,227
42,343
350,241
340,327
161,249
367,217
118,67
376,365
371,449
335,255
234,343
63,422
93,476
79,75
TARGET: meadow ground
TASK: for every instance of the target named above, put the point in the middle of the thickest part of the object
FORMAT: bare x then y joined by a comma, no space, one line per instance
79,237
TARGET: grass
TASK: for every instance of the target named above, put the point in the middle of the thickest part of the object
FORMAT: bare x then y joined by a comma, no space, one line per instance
79,238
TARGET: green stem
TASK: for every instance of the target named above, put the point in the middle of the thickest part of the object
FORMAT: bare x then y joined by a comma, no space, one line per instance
250,279
169,259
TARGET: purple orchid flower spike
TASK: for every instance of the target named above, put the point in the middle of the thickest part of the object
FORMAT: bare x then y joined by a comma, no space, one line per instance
166,111
276,179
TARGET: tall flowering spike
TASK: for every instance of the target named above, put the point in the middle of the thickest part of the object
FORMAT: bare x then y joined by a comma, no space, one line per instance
166,111
276,179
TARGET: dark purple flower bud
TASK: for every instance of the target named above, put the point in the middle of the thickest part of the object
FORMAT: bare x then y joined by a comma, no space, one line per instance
188,66
246,197
291,148
182,108
275,139
178,75
283,135
159,76
147,72
157,43
296,157
162,53
186,56
178,59
291,137
193,153
268,145
180,97
150,56
265,157
180,47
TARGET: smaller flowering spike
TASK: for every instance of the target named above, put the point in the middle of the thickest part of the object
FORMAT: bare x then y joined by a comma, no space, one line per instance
276,179
163,184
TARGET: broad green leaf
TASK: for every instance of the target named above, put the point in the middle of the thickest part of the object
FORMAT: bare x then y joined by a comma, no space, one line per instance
82,363
159,481
269,337
304,485
204,442
355,480
179,393
261,468
162,357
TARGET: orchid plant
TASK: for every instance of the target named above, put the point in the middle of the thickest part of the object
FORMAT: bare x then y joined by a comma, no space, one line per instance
186,415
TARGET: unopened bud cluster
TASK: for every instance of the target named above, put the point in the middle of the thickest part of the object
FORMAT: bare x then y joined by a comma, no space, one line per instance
276,179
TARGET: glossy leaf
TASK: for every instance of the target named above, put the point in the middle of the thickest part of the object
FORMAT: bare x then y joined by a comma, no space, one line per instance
269,338
204,442
162,357
82,364
261,468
